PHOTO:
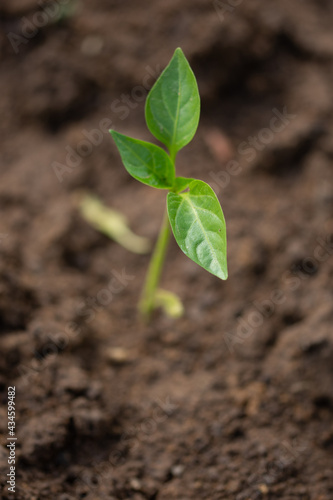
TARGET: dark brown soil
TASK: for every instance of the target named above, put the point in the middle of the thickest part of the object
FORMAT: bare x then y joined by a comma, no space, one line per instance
235,400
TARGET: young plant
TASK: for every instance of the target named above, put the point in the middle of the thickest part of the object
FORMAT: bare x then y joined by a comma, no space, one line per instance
193,210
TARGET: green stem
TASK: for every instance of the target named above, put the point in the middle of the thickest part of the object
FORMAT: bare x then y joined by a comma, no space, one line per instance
146,304
173,153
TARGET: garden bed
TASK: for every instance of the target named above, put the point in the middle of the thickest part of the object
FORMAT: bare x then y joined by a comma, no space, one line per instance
234,400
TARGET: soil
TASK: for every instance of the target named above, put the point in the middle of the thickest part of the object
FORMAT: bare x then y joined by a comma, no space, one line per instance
234,400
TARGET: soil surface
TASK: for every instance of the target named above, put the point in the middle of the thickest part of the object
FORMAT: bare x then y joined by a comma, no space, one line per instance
234,400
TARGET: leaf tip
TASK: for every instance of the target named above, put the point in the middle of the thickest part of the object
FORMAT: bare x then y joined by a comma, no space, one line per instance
224,275
180,53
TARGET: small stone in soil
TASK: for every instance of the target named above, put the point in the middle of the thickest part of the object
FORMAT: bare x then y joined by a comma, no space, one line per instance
177,470
118,355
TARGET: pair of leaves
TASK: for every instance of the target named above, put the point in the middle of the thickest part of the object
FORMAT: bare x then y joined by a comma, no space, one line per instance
172,116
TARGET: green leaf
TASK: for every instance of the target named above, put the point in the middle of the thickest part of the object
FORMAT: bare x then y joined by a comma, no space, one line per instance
145,162
173,104
198,225
181,183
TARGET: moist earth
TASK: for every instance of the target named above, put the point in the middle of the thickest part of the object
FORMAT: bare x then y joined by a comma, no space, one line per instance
235,399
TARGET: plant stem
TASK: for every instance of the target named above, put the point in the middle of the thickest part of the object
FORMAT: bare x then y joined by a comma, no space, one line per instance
173,155
146,304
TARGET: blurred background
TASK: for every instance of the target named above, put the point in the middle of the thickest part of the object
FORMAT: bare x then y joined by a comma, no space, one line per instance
234,400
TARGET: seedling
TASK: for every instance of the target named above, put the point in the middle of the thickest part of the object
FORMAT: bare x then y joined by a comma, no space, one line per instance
193,210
